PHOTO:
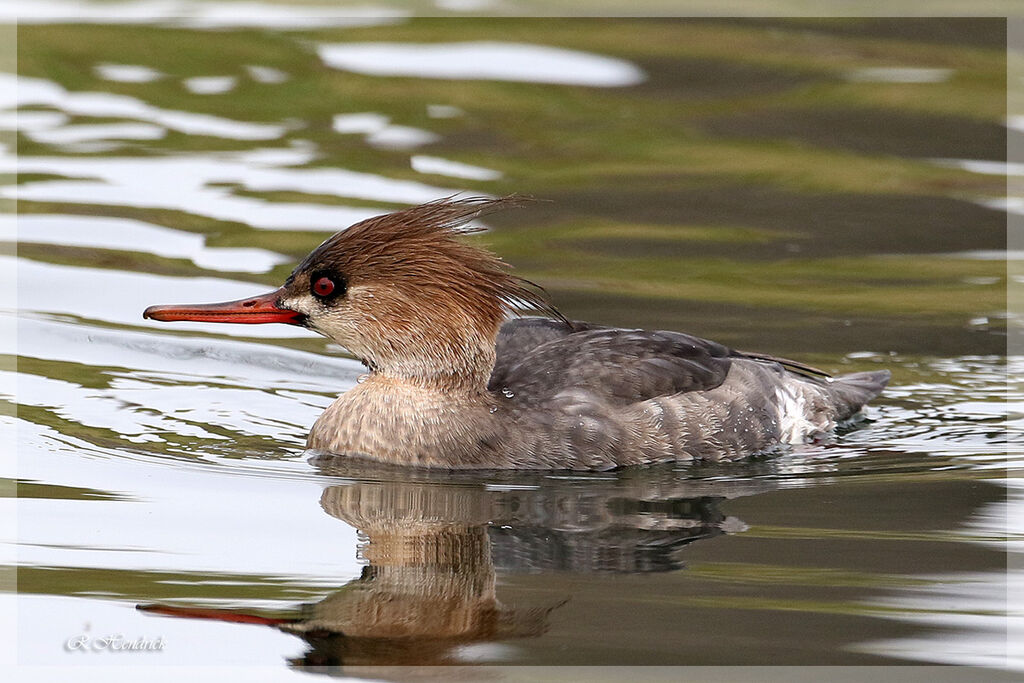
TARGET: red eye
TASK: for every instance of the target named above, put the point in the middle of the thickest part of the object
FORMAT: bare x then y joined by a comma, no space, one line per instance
323,287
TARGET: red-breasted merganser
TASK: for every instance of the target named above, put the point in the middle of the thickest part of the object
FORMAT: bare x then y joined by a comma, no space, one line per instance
453,384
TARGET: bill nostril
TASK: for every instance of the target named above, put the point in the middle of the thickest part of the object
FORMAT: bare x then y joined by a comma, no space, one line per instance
249,304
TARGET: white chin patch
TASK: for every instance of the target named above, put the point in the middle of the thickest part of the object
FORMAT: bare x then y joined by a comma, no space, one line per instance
298,304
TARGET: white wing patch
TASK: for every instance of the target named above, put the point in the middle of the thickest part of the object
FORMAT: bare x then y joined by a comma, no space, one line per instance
798,420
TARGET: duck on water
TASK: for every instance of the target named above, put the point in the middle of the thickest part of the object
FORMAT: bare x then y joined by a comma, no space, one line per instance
453,383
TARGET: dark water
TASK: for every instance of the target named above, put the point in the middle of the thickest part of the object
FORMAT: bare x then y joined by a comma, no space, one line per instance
829,190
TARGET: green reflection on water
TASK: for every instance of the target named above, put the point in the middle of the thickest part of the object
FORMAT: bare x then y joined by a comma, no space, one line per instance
135,584
567,143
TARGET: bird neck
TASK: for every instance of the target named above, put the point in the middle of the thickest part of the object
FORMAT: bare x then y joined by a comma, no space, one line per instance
453,361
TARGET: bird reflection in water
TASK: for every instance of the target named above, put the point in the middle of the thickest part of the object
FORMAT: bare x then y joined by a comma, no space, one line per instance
433,542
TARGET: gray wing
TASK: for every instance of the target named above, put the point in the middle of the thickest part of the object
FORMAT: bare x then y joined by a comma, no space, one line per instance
519,337
537,359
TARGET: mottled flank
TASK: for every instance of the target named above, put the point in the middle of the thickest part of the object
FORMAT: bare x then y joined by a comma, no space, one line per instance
604,397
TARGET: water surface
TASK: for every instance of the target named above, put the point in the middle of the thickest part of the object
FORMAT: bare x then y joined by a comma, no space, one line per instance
832,191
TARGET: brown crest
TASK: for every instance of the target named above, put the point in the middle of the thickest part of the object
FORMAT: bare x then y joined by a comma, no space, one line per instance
418,247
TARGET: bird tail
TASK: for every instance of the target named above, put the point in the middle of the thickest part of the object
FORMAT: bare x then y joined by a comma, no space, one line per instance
851,392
